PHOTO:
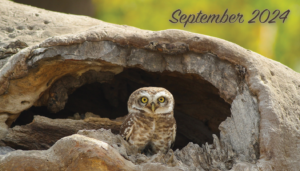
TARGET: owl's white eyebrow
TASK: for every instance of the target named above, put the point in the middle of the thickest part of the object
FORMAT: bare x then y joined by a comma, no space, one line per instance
145,94
162,93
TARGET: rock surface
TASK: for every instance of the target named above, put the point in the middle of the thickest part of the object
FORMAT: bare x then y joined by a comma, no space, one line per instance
262,125
32,25
3,126
5,149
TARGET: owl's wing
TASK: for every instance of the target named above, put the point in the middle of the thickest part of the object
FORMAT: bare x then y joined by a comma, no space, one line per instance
127,127
174,134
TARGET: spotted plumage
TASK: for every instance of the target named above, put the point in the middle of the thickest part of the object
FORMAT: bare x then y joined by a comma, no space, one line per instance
150,124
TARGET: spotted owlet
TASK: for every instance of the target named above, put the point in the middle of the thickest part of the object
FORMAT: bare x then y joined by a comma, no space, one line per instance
150,124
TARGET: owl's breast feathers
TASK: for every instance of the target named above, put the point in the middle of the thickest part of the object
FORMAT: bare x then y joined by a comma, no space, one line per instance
142,129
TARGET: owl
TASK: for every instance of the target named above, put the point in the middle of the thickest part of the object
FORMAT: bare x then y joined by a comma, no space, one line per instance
150,125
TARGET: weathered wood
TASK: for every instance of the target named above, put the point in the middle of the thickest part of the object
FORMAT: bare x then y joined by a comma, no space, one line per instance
74,153
43,132
218,156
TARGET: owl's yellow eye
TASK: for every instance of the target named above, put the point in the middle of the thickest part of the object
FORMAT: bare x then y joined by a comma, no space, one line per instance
161,99
144,99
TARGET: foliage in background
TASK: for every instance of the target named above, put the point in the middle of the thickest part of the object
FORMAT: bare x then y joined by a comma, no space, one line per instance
278,41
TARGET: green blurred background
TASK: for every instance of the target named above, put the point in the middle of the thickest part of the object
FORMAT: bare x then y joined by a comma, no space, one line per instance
278,41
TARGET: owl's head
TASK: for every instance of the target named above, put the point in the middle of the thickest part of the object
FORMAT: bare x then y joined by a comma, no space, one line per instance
151,100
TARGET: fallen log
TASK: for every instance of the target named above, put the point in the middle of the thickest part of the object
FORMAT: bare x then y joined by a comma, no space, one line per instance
43,132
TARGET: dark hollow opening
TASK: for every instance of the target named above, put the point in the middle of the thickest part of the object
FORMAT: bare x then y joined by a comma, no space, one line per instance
199,109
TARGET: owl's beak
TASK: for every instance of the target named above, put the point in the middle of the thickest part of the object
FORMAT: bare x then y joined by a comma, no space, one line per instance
153,107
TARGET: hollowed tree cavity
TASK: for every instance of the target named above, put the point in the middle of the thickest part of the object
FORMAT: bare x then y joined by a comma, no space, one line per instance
215,88
199,109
